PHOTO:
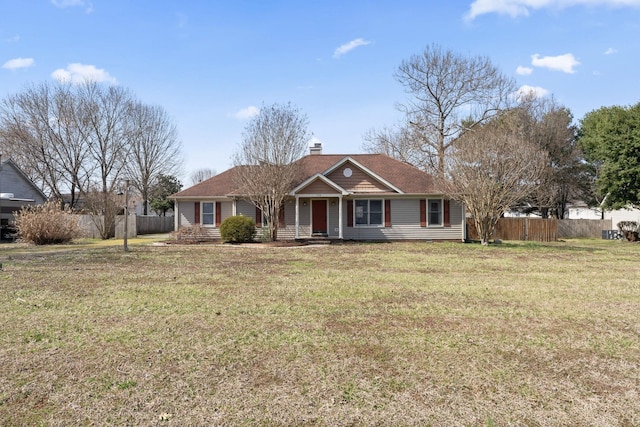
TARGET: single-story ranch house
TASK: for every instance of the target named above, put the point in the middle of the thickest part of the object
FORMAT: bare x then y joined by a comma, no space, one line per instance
350,197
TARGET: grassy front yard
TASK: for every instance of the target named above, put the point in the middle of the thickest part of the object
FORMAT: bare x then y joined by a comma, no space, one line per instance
353,334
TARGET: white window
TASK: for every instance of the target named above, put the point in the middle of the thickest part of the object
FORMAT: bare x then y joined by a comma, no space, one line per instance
368,212
434,212
208,213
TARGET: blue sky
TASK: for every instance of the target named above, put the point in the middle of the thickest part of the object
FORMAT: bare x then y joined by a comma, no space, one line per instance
211,64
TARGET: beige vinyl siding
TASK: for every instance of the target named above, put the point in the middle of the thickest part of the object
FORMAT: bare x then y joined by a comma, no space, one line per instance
358,182
318,187
405,224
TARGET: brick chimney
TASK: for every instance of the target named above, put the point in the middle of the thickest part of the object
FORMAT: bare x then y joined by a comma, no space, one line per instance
316,148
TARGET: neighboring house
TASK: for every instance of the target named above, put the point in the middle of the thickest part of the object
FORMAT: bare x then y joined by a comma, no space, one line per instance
630,214
16,191
350,197
518,214
581,211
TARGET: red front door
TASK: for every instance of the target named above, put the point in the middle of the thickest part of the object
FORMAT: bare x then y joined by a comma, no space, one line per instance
319,216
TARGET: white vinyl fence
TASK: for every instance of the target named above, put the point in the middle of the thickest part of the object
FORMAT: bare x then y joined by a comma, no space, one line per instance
137,225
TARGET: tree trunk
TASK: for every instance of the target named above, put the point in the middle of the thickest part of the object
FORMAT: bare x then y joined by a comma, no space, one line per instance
485,229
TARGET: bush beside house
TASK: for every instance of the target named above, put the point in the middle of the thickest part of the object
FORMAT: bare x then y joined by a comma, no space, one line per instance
237,229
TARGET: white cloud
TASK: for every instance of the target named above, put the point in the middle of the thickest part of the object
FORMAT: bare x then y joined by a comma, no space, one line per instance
347,47
515,8
610,51
79,73
73,3
14,39
67,3
524,71
565,63
536,91
14,64
247,113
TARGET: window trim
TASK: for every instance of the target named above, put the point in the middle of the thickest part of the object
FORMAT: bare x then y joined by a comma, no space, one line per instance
212,214
368,212
440,201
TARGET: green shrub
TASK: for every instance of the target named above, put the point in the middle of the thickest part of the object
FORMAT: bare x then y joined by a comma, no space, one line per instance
47,224
237,229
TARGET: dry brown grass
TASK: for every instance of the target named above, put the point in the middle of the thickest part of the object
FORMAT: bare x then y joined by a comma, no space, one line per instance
354,334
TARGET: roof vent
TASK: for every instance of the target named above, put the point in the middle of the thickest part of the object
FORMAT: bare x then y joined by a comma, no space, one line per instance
316,148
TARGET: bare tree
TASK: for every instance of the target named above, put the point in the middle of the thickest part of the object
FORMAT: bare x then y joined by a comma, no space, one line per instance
83,138
102,121
103,209
399,143
450,93
491,168
266,158
38,129
154,148
200,175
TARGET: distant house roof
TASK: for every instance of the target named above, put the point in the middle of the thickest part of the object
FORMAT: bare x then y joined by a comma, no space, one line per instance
36,192
397,176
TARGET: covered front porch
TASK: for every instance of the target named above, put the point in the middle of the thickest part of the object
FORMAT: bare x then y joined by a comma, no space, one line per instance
319,217
319,209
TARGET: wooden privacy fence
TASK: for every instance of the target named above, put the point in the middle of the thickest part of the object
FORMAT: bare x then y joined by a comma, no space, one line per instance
543,230
530,229
589,228
154,224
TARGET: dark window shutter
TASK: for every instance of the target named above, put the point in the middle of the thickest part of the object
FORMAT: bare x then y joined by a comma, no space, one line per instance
218,213
258,217
196,216
423,212
387,213
281,222
349,213
445,213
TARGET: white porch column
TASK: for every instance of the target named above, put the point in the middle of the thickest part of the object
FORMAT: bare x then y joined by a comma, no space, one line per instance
176,215
340,216
297,217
